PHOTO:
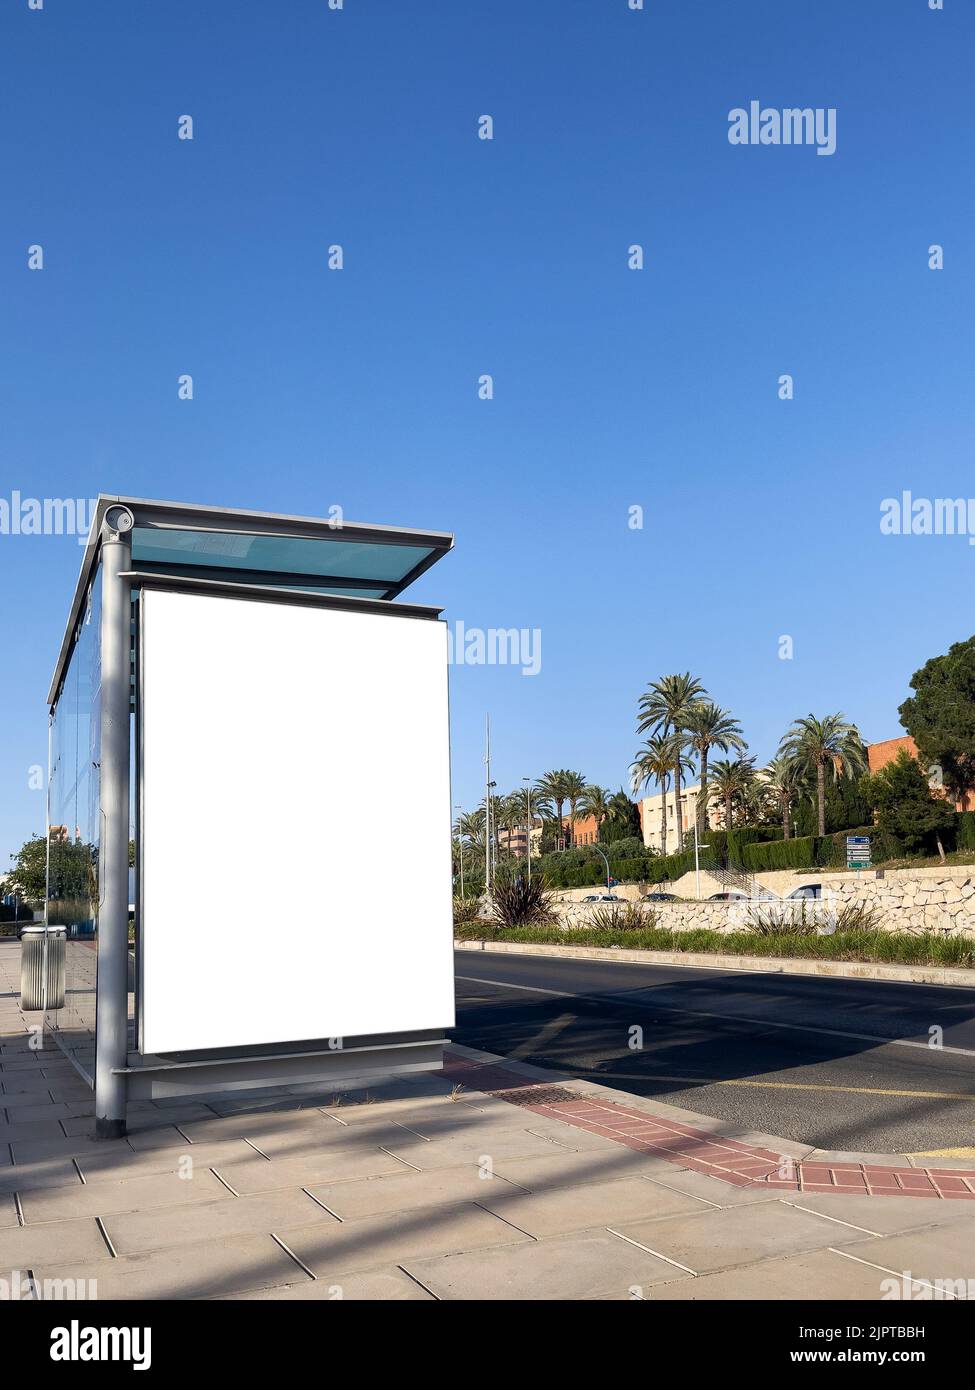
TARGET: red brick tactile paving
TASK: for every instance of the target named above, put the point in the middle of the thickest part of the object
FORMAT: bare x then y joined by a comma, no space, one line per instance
739,1165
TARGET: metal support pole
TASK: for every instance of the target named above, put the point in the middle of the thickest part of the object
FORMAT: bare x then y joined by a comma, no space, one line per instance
609,890
112,998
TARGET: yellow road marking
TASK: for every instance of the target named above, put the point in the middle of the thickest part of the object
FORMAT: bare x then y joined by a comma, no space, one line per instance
774,1085
945,1153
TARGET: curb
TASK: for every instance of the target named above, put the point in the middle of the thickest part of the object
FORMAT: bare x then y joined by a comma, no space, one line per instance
955,976
758,1156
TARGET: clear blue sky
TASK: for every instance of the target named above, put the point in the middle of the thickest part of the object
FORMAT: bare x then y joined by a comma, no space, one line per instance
612,388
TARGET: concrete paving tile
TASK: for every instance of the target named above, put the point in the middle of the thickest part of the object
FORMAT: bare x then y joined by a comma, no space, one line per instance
472,1126
256,1174
580,1140
376,1240
200,1270
718,1239
583,1266
48,1110
25,1177
105,1198
577,1169
938,1253
884,1215
165,1136
28,1100
30,1129
22,1083
137,1231
722,1194
22,1247
112,1162
145,1123
33,1150
298,1143
260,1124
8,1210
407,1190
70,1090
816,1276
582,1208
483,1150
425,1107
229,1109
374,1286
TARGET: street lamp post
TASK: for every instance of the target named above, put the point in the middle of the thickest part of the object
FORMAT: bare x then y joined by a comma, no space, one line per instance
488,784
697,860
492,832
460,844
606,862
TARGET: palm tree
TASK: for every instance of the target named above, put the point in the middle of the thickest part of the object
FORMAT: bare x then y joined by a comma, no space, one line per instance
552,787
575,786
657,759
469,826
731,781
817,745
532,805
785,780
469,839
709,726
665,708
595,803
508,818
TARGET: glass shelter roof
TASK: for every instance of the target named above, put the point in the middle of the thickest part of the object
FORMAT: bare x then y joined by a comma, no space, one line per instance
176,540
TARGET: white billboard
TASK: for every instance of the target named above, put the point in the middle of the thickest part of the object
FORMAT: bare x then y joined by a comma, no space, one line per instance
295,804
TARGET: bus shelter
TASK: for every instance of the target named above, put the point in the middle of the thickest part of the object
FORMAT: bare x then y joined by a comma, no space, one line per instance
249,880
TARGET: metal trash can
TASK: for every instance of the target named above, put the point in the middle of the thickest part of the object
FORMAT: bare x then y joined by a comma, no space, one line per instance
39,945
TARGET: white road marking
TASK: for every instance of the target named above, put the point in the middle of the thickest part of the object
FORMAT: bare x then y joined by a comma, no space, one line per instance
727,1018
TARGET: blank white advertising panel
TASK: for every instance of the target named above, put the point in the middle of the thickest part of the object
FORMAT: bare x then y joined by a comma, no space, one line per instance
295,851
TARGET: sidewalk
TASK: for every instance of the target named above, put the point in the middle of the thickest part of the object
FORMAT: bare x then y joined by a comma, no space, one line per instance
493,1180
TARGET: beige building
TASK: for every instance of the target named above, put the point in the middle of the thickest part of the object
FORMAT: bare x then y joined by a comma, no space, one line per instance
651,818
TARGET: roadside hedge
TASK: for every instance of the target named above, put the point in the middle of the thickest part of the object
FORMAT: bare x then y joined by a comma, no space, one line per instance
785,854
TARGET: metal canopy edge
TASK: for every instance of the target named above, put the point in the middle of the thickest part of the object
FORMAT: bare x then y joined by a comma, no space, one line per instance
193,516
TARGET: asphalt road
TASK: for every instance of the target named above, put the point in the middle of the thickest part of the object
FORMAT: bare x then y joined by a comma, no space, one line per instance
842,1064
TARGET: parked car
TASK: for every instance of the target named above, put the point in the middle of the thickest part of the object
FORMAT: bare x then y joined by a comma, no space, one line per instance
733,897
660,898
808,890
601,898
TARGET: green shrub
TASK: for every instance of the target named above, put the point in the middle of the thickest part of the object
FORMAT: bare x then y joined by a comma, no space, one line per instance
629,848
965,832
518,902
739,840
669,869
466,909
782,854
614,917
922,948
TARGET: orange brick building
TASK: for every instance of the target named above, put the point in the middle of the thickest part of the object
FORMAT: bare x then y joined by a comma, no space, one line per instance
880,754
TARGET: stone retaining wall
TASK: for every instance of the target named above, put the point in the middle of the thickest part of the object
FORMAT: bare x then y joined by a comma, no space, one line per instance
904,900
